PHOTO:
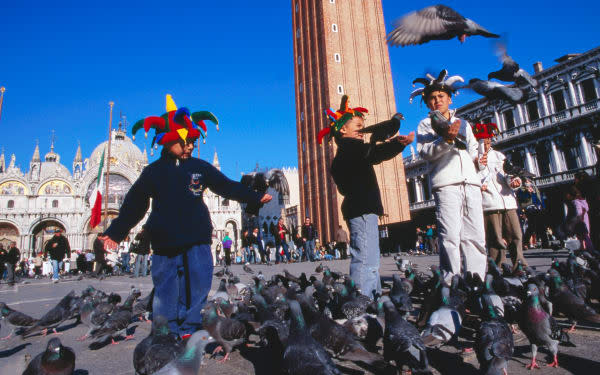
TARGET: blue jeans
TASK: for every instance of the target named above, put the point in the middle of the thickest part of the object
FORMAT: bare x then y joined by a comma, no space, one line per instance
300,252
56,266
125,258
249,254
278,256
141,262
309,247
364,248
181,286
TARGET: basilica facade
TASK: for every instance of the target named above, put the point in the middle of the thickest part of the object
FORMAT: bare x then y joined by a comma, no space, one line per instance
49,196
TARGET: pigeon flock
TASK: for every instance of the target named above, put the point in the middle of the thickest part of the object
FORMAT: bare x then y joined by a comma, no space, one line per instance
312,325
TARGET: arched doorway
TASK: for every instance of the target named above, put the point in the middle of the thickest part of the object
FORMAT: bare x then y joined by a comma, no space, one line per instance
42,232
232,228
8,234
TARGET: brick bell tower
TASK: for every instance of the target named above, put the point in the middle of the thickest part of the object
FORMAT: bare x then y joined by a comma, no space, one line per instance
340,48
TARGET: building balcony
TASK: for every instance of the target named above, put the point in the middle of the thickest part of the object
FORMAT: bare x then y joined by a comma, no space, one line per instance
561,177
548,121
416,206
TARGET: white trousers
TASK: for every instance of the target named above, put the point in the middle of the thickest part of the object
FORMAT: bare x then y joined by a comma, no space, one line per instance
460,229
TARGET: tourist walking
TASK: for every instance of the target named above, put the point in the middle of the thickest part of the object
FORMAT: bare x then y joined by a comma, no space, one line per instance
227,243
12,258
58,247
341,242
309,235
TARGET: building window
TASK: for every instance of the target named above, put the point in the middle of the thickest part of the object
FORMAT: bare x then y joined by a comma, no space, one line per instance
11,204
509,119
298,33
532,110
225,202
296,7
412,195
303,146
299,60
55,203
426,188
301,116
542,153
558,99
300,87
334,28
337,57
305,179
589,91
340,89
487,120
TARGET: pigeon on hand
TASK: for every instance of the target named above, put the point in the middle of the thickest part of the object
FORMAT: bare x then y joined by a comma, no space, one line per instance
53,318
497,91
440,124
192,357
511,72
156,350
55,360
514,170
258,182
14,318
437,22
536,324
384,130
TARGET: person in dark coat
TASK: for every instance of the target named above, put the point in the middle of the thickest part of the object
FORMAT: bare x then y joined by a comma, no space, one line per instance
99,255
11,259
141,248
3,254
58,247
341,241
309,235
279,233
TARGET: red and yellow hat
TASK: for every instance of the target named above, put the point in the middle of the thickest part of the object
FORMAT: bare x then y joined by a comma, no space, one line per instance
175,124
339,118
485,131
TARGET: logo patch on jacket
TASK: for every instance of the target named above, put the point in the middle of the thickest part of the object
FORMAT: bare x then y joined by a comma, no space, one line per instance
196,186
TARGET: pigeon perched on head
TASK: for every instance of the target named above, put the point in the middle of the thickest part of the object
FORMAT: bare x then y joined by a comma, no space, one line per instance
53,318
383,130
192,357
437,22
497,91
55,360
511,72
156,350
14,319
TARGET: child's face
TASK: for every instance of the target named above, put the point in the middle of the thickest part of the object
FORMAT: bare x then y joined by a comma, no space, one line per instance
351,128
182,150
440,101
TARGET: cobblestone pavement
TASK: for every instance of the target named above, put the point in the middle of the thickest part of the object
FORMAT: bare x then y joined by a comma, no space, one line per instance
36,297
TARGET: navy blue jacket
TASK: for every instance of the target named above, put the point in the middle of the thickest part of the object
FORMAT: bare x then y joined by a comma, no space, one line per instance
179,217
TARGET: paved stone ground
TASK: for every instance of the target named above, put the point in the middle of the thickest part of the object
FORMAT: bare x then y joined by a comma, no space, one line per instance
39,296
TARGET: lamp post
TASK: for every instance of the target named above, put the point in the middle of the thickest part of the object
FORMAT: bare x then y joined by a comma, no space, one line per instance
2,89
111,104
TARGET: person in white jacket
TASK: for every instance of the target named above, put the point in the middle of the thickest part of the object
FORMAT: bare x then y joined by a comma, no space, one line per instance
502,228
452,154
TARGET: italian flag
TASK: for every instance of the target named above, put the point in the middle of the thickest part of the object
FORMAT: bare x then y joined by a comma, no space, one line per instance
96,196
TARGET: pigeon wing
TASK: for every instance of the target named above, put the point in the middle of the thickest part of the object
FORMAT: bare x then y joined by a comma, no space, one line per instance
431,23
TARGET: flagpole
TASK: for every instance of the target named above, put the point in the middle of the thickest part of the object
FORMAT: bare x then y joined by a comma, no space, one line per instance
2,89
111,104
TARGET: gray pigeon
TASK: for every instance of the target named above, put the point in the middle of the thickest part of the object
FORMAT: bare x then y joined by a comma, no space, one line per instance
494,341
437,22
400,297
221,293
191,359
156,350
303,354
536,324
511,72
15,319
497,91
402,343
55,360
228,333
247,268
444,323
117,323
53,318
383,130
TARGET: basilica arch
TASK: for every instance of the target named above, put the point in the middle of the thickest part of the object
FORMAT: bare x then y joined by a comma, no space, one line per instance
8,233
42,230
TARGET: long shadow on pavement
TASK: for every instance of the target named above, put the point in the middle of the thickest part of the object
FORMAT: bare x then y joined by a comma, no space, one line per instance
15,350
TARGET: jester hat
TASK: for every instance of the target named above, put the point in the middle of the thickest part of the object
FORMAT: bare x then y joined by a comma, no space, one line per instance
484,131
340,117
441,83
175,124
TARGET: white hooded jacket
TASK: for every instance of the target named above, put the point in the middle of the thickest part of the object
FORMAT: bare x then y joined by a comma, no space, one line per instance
448,164
498,195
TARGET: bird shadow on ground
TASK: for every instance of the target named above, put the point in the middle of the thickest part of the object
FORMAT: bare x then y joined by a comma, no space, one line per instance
101,344
544,255
81,372
578,365
16,349
262,359
450,363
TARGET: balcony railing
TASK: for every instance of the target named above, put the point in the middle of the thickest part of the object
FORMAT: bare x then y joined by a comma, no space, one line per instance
561,177
422,205
547,121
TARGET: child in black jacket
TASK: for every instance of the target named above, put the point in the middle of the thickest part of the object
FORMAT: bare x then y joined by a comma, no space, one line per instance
179,225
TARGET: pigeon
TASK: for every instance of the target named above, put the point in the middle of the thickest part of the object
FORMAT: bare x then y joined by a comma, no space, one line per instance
93,318
228,333
256,181
402,342
440,124
143,307
156,350
536,324
437,22
303,354
192,357
384,130
55,360
511,72
221,293
366,328
514,170
53,318
117,323
497,91
319,268
220,273
444,323
494,340
247,269
573,306
14,318
400,297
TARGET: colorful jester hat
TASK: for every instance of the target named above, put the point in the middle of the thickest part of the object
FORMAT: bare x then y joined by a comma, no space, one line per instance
441,83
484,131
339,118
176,124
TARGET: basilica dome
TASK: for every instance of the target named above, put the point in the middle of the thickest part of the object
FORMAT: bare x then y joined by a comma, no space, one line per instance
123,150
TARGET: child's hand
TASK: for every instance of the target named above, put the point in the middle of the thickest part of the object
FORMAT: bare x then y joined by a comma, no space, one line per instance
453,131
266,198
109,244
406,139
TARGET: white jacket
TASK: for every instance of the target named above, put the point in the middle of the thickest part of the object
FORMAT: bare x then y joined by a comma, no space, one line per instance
448,165
499,195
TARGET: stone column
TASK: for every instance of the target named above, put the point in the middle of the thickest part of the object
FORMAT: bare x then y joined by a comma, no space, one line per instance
521,117
529,161
585,148
542,95
418,195
574,101
497,118
555,157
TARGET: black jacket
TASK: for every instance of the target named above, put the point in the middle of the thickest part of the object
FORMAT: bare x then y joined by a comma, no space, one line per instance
142,245
309,232
353,173
62,248
179,217
98,250
275,233
13,256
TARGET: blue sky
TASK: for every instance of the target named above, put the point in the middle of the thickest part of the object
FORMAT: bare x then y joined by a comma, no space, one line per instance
63,61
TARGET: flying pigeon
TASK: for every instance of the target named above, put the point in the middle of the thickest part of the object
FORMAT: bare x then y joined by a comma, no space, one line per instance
497,91
511,72
14,318
55,360
437,22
